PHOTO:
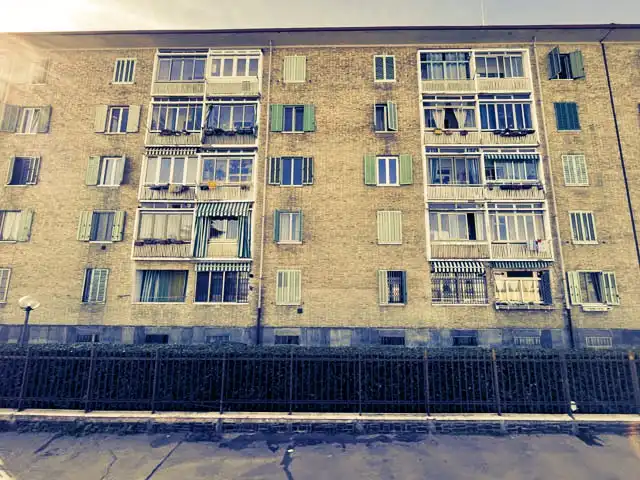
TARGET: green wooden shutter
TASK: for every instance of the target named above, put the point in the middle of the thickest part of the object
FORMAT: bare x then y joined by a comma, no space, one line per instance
44,119
572,116
84,226
12,162
100,122
610,288
93,170
309,118
577,64
274,171
9,115
553,62
120,166
277,118
573,280
133,120
24,227
117,232
383,288
561,116
370,169
307,171
392,116
276,226
404,287
300,229
406,169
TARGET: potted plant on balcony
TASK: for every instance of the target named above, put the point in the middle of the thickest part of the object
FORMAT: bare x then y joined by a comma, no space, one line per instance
437,131
464,133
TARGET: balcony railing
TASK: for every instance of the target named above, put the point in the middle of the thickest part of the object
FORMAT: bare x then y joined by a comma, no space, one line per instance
486,85
479,192
440,86
455,192
482,85
181,250
245,87
222,249
457,137
507,191
229,139
225,192
178,88
538,250
168,192
193,138
459,250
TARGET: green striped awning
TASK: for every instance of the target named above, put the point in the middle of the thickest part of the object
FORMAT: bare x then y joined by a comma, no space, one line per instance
223,267
520,265
457,267
223,209
511,156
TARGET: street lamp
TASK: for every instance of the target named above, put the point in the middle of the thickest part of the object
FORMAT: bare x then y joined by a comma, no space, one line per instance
27,303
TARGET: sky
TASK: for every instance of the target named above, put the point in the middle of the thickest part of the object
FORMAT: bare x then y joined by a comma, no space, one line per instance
60,15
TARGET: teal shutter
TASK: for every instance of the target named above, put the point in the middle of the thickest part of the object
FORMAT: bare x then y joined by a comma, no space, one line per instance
561,116
573,280
44,119
276,226
309,118
404,287
370,169
379,68
24,227
300,229
577,64
274,171
572,115
390,62
118,226
406,170
553,61
93,170
567,116
392,116
307,171
277,118
84,226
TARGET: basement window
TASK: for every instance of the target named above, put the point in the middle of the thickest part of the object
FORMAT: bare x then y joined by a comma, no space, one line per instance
156,339
287,340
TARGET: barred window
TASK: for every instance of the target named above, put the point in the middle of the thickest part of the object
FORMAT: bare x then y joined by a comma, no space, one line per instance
458,288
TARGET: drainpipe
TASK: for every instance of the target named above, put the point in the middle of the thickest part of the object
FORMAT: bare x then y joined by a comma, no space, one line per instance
567,304
263,218
622,164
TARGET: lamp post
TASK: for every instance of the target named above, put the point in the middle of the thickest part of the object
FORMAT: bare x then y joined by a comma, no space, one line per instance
27,304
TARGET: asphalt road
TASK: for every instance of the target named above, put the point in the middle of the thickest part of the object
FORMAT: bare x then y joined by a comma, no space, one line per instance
319,457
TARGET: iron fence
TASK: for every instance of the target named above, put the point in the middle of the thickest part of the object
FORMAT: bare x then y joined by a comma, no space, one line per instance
229,378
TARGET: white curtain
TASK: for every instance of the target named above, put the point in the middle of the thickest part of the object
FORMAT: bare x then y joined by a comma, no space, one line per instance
438,116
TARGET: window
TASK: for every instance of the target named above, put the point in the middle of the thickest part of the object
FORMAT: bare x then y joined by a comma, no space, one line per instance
454,171
449,112
386,117
117,119
464,340
231,117
450,222
29,120
87,338
392,287
291,171
287,227
517,223
95,285
295,69
180,69
445,66
101,226
499,65
161,285
15,226
389,228
583,227
287,339
567,116
161,339
575,170
23,171
593,287
384,67
511,168
234,66
227,170
387,171
222,287
391,340
526,340
176,117
567,66
174,170
453,288
288,287
105,171
5,275
598,343
502,112
522,287
293,118
217,339
165,226
124,70
223,230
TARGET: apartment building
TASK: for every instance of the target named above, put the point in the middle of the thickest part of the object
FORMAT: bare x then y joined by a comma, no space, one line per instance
354,186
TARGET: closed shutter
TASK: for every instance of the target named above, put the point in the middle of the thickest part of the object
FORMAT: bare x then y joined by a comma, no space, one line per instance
379,68
569,170
370,169
572,116
98,285
24,225
392,117
390,63
84,226
545,288
403,276
389,227
553,62
406,169
276,226
580,162
309,118
100,122
577,64
12,162
561,116
383,288
277,118
274,171
133,121
610,288
93,170
5,274
119,174
288,287
117,232
307,171
573,280
9,116
295,68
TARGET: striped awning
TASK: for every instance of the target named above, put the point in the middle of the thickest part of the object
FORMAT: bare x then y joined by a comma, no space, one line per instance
223,209
520,265
457,267
157,151
223,267
511,156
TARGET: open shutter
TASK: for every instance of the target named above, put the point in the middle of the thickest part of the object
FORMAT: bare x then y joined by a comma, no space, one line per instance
101,118
119,174
133,121
9,115
277,118
300,228
383,287
610,288
84,226
370,169
406,169
274,171
392,116
553,62
307,171
24,227
577,64
98,290
5,274
276,226
573,280
545,287
12,162
309,118
34,171
93,170
295,287
580,163
404,287
44,119
118,226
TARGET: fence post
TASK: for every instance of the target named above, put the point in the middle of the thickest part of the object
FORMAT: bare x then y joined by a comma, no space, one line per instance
24,379
425,366
634,380
223,380
156,364
496,384
359,383
291,382
92,363
565,382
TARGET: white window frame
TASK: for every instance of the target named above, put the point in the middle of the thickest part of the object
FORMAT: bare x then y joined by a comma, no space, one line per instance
508,103
188,160
582,224
177,106
387,161
5,288
285,294
155,214
232,107
89,272
122,127
444,63
467,103
127,73
453,174
575,165
234,67
32,114
15,226
34,166
385,116
225,238
139,285
228,160
286,218
103,181
294,116
499,211
501,58
181,58
437,233
224,282
384,69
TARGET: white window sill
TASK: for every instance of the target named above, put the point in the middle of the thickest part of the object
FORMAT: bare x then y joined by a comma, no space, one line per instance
26,133
385,131
596,307
292,131
8,241
392,304
179,81
576,185
376,80
21,185
289,242
568,131
115,133
459,304
288,304
123,83
220,303
294,81
107,186
93,303
390,243
158,303
100,242
585,242
387,184
286,185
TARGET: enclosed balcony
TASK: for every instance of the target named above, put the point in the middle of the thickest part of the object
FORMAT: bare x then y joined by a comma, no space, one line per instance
164,234
179,74
223,230
171,178
234,74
